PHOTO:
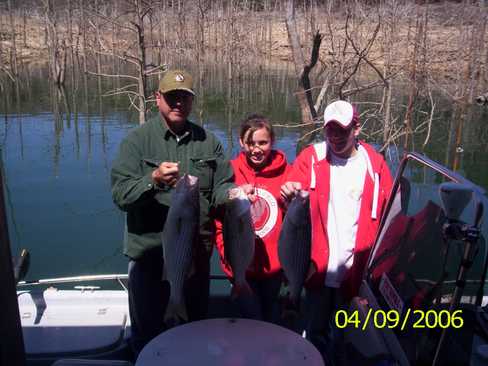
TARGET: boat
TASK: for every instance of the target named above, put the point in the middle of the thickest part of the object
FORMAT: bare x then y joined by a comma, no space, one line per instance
422,261
84,321
423,297
82,317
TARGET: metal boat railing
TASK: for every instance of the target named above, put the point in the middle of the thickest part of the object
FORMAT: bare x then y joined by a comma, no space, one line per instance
119,278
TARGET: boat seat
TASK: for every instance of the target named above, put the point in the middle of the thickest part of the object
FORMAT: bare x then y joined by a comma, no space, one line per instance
81,362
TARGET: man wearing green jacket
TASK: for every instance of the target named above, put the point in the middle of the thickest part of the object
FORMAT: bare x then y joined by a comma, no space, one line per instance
150,161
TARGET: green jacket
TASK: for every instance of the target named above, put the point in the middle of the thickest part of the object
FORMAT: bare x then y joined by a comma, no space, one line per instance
199,153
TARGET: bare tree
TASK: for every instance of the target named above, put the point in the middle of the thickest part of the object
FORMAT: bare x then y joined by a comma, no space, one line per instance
407,52
302,69
13,48
56,48
131,23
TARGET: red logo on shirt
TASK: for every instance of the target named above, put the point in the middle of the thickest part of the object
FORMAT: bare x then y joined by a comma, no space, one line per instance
264,212
260,213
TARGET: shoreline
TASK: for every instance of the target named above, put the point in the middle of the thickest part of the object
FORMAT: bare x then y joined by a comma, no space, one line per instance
264,39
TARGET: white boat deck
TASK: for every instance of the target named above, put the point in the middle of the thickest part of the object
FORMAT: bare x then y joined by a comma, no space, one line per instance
82,322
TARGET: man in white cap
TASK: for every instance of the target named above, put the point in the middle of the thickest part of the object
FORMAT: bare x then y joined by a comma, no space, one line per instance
349,183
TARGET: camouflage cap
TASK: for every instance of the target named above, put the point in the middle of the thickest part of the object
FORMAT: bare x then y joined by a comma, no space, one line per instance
176,80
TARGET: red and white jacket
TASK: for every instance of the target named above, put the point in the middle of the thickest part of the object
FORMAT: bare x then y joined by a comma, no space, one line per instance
312,170
267,213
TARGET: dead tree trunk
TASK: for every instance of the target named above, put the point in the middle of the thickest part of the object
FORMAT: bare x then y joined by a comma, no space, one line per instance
24,27
412,96
98,48
13,52
82,26
71,41
56,49
13,49
302,70
141,50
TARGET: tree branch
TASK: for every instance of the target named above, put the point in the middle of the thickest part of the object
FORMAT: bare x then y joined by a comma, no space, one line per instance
112,76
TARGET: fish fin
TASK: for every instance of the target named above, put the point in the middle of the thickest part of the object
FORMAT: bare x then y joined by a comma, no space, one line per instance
289,319
176,314
192,270
178,225
242,289
291,303
164,275
241,226
290,311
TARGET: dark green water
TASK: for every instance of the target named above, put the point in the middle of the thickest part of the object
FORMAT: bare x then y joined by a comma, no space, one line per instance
57,151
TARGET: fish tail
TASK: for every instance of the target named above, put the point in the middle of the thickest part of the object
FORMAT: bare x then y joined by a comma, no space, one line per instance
290,311
294,298
292,302
176,314
164,275
241,289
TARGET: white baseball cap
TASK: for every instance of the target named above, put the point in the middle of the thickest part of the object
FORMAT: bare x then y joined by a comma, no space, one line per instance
341,112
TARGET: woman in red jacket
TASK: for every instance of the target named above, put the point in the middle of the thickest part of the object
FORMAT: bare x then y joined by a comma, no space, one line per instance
263,170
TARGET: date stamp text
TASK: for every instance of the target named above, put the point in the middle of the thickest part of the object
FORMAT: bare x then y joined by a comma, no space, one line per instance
392,319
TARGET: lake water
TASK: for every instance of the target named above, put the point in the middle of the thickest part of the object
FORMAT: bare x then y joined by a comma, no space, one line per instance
58,149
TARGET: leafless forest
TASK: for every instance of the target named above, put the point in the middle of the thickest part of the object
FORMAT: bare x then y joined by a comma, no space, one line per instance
339,49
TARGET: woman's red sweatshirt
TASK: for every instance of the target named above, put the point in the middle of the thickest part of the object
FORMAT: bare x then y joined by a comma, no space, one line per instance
267,212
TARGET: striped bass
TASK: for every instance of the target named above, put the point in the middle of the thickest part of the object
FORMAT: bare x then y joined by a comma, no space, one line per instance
294,244
179,239
239,238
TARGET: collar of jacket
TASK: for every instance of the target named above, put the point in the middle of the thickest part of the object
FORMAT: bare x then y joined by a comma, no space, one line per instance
167,133
321,168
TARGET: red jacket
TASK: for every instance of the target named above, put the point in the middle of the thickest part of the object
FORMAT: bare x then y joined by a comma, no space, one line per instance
312,170
267,213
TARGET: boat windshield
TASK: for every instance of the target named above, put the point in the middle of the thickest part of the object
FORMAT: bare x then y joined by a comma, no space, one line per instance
414,265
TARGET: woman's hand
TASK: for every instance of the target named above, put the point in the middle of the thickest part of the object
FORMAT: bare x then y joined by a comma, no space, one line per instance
290,189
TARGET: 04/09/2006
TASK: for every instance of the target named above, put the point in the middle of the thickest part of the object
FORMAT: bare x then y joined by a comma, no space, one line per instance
393,319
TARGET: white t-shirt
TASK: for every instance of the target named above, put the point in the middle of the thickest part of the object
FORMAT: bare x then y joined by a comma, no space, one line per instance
346,189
